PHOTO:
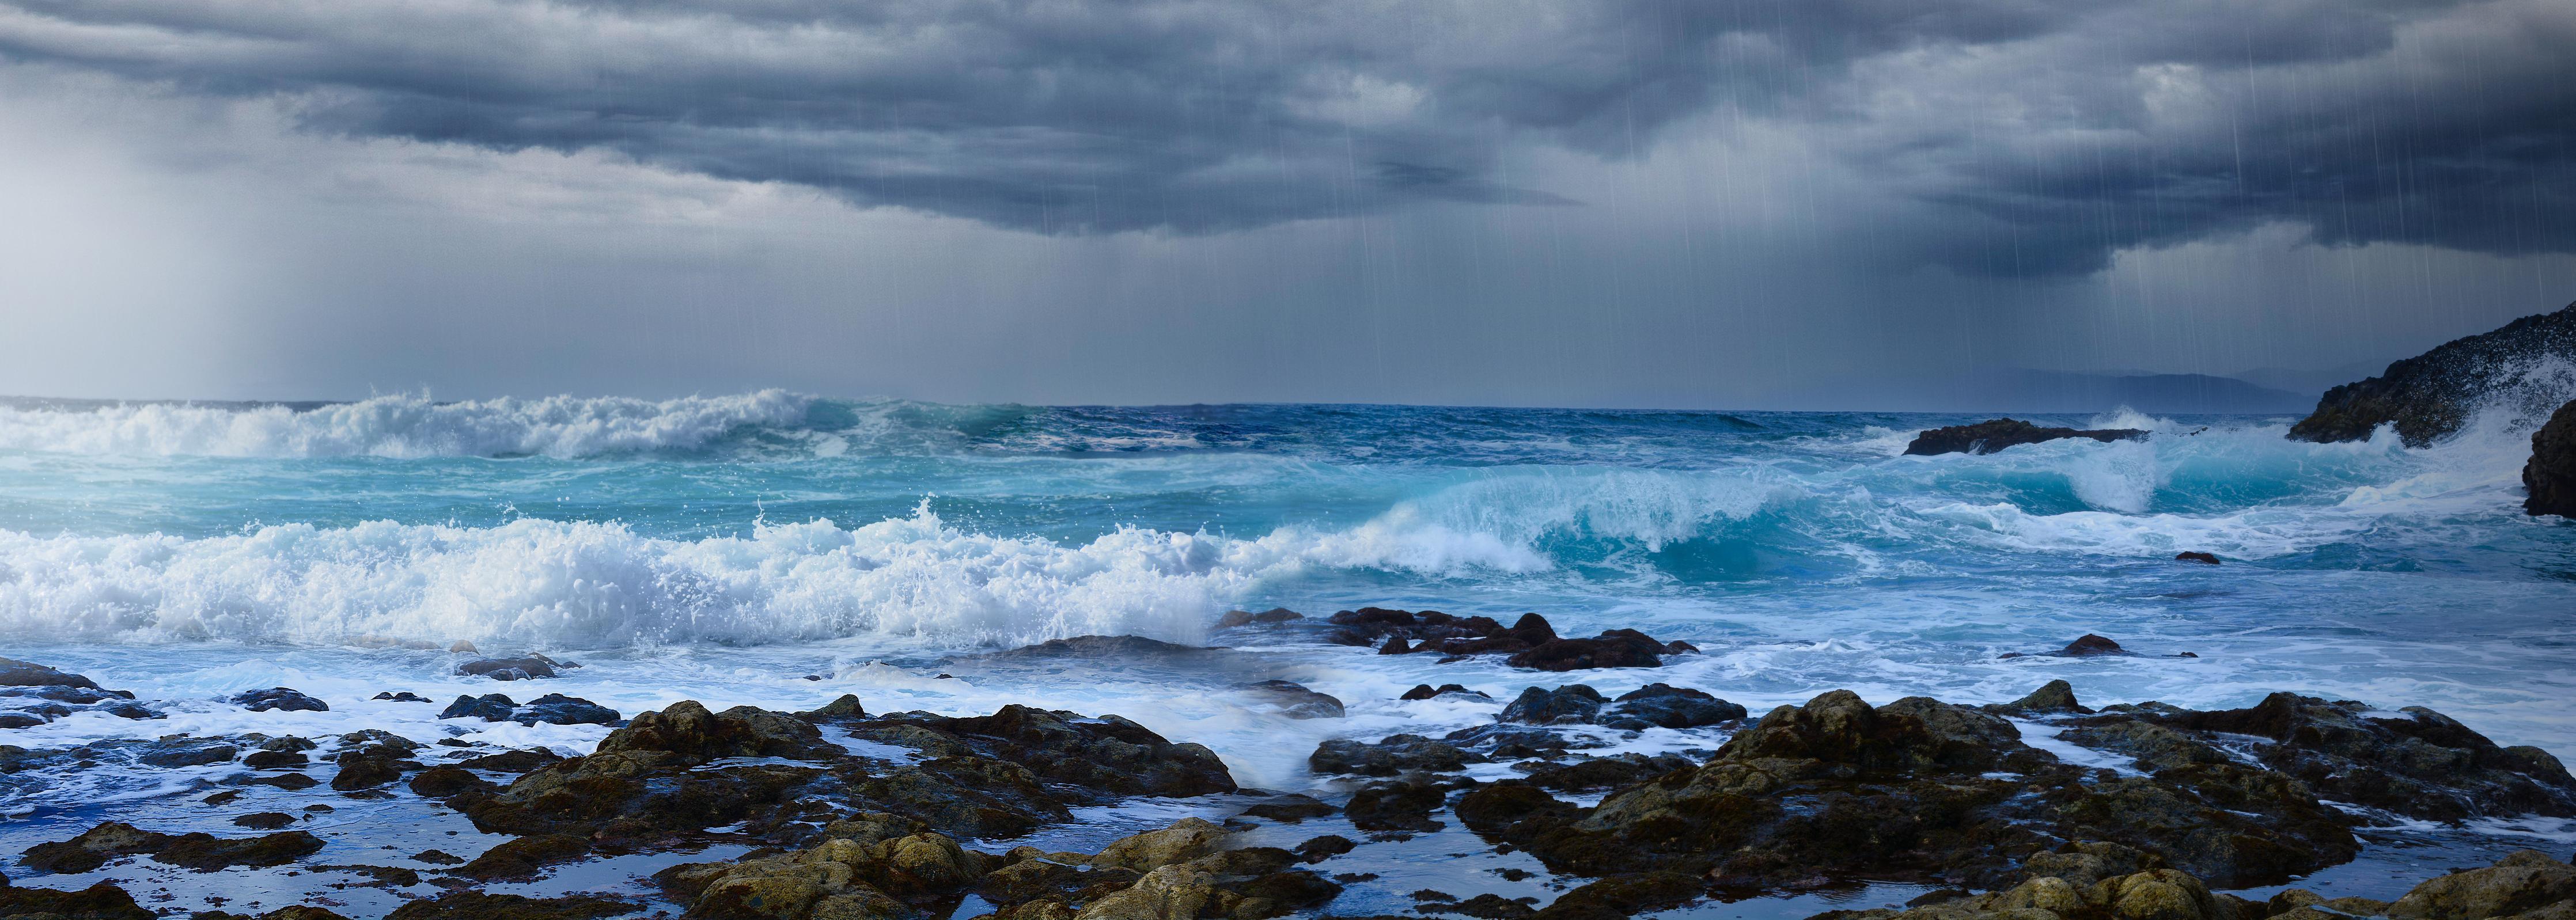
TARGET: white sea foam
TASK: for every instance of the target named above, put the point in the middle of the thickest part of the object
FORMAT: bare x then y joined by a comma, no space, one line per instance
399,426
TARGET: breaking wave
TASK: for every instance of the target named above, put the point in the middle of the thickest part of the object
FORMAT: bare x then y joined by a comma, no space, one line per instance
398,426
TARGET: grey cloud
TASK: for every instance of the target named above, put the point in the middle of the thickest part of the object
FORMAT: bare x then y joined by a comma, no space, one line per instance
2054,132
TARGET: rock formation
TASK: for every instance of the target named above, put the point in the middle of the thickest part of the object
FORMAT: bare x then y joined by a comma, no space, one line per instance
1992,435
2429,396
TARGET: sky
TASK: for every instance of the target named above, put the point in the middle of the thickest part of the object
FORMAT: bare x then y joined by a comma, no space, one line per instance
1693,203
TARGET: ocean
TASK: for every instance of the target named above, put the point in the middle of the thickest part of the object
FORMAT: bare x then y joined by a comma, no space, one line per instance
779,550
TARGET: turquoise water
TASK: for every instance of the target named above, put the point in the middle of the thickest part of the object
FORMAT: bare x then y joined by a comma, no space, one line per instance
725,548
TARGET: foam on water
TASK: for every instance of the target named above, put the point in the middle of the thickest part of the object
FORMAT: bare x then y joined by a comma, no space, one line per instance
398,426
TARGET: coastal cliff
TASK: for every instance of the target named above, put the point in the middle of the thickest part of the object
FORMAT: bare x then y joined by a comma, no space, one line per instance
2430,396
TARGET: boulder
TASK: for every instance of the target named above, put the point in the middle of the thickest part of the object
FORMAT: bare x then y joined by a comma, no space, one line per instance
1571,703
100,901
1663,706
2057,697
527,667
2549,477
1235,618
2522,881
1617,648
1184,840
402,697
490,707
15,673
1426,691
2196,556
2414,761
1389,756
1403,805
281,698
1992,435
2429,396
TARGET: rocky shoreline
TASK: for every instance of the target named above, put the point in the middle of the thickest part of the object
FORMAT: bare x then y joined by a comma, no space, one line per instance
2040,808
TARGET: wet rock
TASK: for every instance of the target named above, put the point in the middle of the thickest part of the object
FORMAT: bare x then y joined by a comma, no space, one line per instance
92,848
285,699
686,732
20,720
845,707
490,707
297,912
2056,697
1617,648
1389,756
2429,396
290,782
1318,849
1404,805
2522,881
1184,840
524,857
528,667
2156,747
1569,704
475,905
1297,702
402,697
207,853
2549,477
1621,896
1235,618
1920,789
2414,762
2196,556
551,709
1662,706
1992,435
265,820
1488,906
1426,691
1250,883
835,879
1290,808
514,761
1608,772
15,673
2085,646
372,758
442,782
1501,806
1400,632
439,858
100,901
275,760
183,751
1105,648
131,710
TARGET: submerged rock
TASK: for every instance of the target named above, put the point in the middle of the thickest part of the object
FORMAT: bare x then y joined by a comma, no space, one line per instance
1992,435
2429,396
2196,556
1297,702
1426,691
2549,477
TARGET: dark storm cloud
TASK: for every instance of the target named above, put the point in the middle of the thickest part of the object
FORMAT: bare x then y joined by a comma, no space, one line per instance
2055,133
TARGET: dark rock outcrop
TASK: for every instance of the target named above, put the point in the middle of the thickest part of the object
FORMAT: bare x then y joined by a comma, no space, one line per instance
1530,641
2413,762
1992,435
2196,556
475,905
1919,789
1651,706
1426,691
2429,396
2549,477
15,673
1235,618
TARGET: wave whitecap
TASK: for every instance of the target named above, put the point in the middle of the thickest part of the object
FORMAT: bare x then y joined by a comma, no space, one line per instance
400,426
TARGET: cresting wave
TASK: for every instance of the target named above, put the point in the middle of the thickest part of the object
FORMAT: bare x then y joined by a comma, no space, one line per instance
399,426
920,579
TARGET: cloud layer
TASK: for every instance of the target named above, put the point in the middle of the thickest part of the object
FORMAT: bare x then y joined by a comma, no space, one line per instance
2051,135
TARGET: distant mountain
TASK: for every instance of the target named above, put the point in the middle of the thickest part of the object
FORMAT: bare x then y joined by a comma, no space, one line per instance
2310,381
2063,392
